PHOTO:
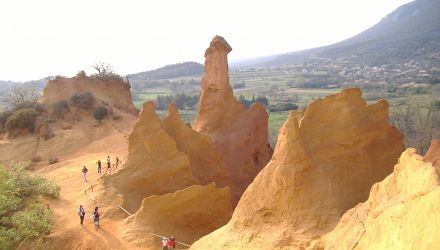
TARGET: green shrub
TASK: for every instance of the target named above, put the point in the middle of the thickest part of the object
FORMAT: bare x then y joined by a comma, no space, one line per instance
60,108
23,118
83,100
100,113
30,104
22,214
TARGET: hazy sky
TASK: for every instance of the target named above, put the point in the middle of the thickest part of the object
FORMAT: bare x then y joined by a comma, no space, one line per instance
58,37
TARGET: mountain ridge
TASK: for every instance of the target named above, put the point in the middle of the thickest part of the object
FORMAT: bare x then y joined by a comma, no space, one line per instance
412,31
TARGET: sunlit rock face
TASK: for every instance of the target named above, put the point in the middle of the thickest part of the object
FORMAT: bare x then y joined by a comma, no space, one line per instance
402,212
325,162
113,92
239,134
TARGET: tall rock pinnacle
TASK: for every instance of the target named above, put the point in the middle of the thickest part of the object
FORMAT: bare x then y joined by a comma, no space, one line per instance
240,135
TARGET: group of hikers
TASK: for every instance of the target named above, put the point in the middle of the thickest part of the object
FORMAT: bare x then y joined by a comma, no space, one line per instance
95,216
168,243
99,166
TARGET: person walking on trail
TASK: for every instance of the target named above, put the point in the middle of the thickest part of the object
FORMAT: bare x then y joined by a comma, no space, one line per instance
96,216
84,171
81,214
164,243
172,243
117,162
99,166
109,166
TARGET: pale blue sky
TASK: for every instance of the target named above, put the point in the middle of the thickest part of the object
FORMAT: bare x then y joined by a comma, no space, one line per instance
57,37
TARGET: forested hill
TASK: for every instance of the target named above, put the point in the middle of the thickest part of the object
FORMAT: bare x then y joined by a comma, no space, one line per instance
169,71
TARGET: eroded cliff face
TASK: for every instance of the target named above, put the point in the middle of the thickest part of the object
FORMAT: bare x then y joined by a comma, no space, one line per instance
113,92
198,210
155,166
326,160
160,183
402,212
206,164
433,154
240,135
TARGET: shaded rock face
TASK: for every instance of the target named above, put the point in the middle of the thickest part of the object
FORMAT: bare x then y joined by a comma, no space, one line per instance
112,92
198,209
433,154
402,212
326,160
240,135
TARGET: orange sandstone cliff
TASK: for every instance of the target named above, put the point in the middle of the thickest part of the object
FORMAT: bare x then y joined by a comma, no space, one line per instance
113,92
325,162
433,154
154,165
166,162
240,135
402,212
187,214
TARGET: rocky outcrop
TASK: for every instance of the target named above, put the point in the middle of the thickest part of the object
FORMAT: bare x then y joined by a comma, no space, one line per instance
402,212
113,92
155,166
433,154
188,214
206,164
326,160
240,135
167,161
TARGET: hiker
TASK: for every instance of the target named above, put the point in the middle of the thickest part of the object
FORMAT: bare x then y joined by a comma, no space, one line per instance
164,243
172,243
99,166
117,162
84,171
81,213
96,216
109,166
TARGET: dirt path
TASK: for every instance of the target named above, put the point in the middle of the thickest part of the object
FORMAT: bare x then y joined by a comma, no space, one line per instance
68,233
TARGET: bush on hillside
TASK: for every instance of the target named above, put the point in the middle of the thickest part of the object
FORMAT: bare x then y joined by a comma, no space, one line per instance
81,73
105,72
83,100
60,109
52,160
22,119
24,105
22,214
100,113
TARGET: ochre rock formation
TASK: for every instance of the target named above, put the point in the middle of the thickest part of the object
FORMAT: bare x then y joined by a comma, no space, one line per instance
402,212
155,166
433,154
325,162
206,164
113,92
240,135
167,161
188,214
